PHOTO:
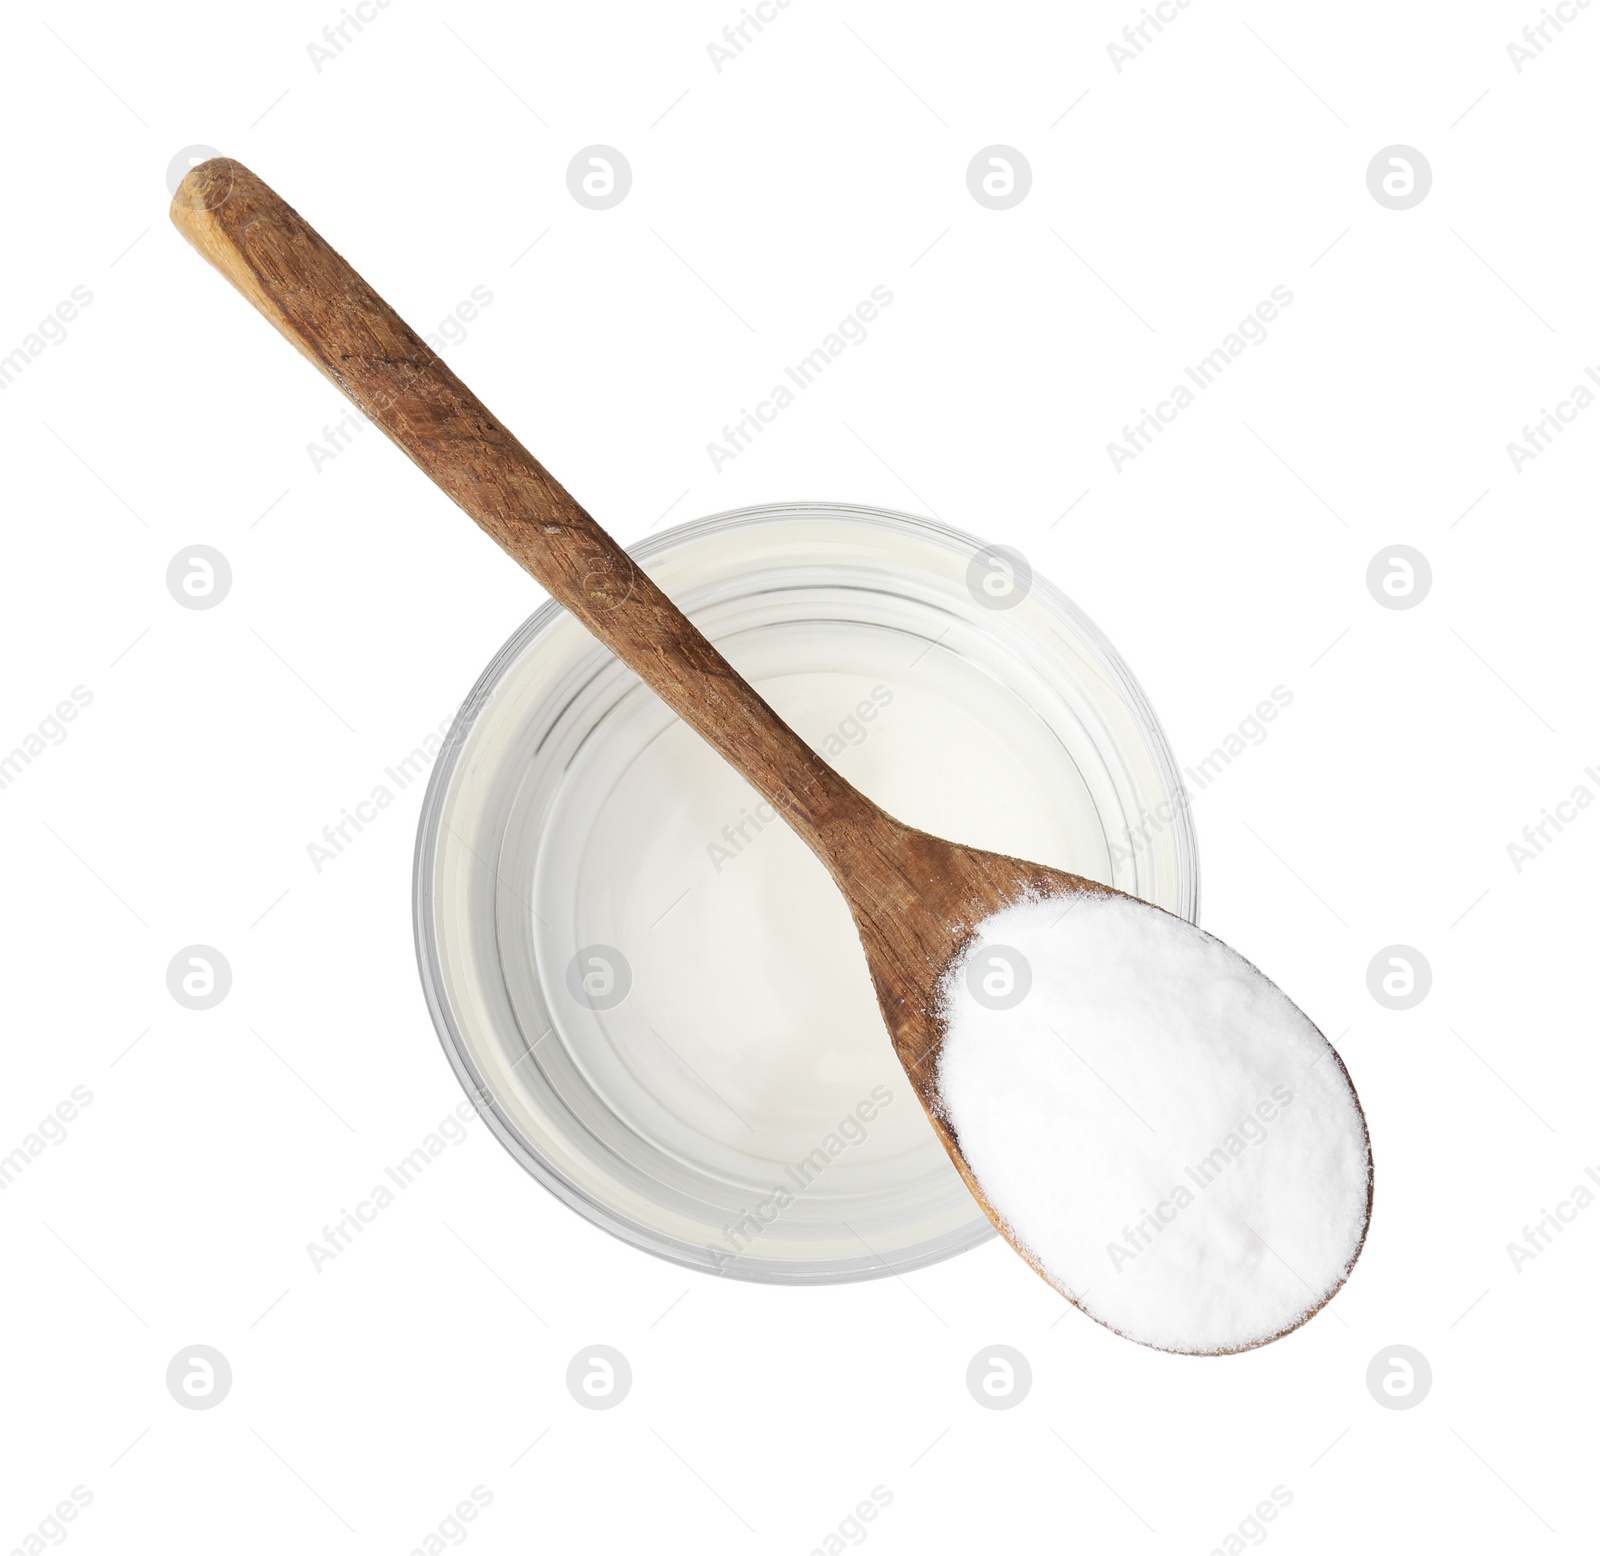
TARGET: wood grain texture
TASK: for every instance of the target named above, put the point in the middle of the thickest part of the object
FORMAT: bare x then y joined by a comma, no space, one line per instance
916,899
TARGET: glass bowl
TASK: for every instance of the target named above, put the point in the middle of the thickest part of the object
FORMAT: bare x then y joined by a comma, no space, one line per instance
651,988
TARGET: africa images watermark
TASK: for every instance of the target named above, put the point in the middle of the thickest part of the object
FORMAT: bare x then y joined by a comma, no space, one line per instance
340,1235
355,819
851,330
737,34
1538,436
1250,731
1250,331
1252,1528
451,330
50,1130
51,1529
455,1526
851,730
337,36
1553,820
852,1528
51,330
740,1235
1537,34
1137,36
1538,1237
1251,1130
51,730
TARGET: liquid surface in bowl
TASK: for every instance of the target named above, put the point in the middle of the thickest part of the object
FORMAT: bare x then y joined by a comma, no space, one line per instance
751,1030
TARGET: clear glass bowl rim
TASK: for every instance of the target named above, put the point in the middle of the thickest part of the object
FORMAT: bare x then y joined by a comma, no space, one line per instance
454,1042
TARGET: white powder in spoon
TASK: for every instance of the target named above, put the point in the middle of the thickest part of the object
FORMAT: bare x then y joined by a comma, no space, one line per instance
1164,1131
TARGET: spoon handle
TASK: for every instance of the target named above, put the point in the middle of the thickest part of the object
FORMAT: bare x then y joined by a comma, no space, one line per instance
319,303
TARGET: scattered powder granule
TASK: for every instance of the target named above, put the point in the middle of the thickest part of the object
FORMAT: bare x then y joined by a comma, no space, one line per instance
1176,1146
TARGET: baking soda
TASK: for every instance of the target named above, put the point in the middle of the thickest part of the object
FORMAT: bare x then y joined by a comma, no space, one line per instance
1175,1145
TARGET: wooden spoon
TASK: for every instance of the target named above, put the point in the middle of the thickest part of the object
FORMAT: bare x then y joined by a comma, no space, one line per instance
916,899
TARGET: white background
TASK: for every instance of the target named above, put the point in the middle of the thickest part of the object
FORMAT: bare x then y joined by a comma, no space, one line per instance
768,199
